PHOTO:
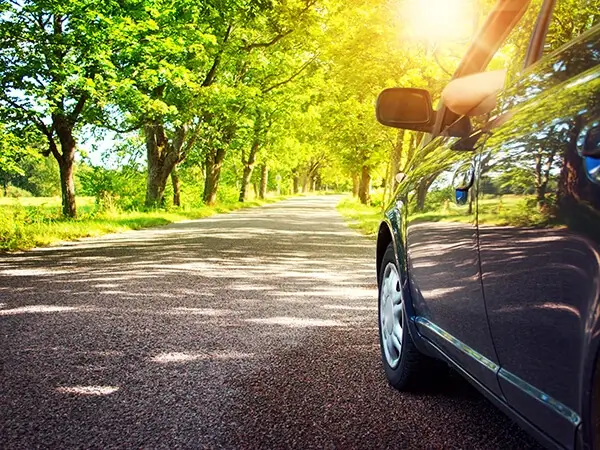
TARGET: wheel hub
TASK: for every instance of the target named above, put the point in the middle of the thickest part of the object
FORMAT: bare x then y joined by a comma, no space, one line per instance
391,307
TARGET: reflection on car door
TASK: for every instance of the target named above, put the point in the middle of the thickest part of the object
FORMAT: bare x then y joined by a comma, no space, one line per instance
443,261
539,231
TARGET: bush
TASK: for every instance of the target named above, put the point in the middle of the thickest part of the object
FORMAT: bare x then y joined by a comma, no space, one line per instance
122,189
15,192
228,194
438,198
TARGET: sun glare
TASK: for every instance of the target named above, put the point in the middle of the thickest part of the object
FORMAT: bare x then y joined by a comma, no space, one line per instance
439,20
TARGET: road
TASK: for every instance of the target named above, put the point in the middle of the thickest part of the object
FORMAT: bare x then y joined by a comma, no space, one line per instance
255,329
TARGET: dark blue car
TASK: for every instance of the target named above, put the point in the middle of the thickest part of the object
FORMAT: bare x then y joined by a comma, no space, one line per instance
488,258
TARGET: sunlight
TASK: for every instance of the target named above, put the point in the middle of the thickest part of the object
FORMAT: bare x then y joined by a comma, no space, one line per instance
201,311
87,390
37,309
439,20
179,357
350,308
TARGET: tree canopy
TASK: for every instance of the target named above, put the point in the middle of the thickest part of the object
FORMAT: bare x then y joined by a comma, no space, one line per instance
205,92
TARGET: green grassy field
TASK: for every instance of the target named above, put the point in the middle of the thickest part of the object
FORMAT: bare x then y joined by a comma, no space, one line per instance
503,210
364,218
30,222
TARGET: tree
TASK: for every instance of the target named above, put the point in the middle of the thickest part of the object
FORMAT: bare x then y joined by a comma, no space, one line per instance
53,60
13,152
179,62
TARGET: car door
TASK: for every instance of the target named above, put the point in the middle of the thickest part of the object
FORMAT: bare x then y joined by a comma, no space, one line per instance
443,260
539,231
443,256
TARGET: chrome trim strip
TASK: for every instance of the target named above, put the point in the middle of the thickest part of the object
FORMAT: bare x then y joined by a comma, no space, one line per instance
564,411
491,365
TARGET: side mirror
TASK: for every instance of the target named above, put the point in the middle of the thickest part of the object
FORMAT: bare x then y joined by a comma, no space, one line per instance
407,108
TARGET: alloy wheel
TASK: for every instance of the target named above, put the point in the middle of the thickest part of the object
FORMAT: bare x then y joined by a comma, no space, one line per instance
391,316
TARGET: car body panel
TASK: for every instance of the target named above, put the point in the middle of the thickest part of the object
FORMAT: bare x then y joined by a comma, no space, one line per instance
529,336
540,257
433,349
442,257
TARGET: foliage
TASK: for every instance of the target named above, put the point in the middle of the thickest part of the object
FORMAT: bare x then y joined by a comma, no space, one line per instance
121,189
225,96
15,192
364,218
513,210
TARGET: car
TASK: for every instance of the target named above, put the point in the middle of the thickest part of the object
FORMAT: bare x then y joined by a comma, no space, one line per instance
488,257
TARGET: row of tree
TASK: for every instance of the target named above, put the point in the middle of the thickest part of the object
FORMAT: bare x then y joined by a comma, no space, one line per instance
289,84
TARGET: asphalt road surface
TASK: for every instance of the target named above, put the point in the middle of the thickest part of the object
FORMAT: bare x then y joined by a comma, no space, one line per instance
255,329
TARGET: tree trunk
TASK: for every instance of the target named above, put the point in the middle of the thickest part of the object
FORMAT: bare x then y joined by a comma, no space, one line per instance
422,189
214,162
396,158
472,199
305,183
176,187
248,169
364,191
386,183
155,184
577,198
65,162
67,187
421,194
355,184
264,178
162,158
296,184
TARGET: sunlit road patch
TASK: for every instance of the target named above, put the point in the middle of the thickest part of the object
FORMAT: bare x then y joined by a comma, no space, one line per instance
256,329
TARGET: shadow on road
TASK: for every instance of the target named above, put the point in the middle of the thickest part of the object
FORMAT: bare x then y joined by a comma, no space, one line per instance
330,392
250,329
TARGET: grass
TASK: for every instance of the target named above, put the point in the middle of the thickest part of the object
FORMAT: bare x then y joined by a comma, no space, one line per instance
36,221
363,218
513,210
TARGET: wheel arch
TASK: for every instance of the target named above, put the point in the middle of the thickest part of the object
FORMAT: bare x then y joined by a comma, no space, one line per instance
384,238
390,232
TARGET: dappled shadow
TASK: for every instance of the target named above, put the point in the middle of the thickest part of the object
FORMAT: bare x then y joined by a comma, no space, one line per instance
446,286
174,336
131,338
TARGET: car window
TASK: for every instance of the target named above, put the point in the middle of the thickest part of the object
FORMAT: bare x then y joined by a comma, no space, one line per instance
511,54
570,18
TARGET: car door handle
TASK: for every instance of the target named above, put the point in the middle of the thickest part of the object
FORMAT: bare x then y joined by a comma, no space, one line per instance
463,178
588,147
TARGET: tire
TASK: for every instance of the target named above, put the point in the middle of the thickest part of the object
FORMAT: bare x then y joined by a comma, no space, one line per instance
406,369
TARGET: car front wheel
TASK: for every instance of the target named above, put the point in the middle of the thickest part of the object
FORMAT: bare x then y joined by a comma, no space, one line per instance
405,367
